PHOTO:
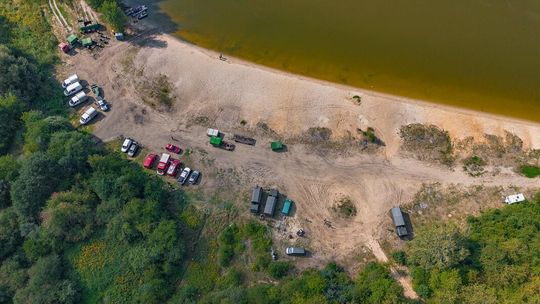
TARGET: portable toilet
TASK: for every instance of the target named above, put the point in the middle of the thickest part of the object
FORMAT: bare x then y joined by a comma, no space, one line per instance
287,207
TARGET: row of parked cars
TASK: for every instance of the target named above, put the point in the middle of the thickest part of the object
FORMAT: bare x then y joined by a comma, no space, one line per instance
166,165
73,87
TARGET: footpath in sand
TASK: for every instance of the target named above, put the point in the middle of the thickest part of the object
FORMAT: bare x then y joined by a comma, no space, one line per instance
237,97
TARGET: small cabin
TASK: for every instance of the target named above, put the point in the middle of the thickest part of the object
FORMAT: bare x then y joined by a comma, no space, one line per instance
256,195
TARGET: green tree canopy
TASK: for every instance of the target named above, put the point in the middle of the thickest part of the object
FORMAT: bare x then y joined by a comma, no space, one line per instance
440,246
114,15
18,75
38,178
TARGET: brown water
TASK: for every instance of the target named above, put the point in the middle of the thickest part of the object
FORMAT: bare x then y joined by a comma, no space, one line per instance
477,54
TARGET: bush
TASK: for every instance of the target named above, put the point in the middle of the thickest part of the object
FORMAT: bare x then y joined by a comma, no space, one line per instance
400,257
530,171
278,270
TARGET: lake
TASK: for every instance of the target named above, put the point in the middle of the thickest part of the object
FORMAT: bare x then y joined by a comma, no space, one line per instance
477,54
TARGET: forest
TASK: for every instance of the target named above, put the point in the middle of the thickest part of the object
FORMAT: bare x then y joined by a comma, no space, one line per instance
80,223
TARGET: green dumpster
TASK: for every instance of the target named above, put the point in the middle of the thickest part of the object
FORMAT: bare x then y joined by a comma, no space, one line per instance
86,42
287,207
72,39
216,141
276,145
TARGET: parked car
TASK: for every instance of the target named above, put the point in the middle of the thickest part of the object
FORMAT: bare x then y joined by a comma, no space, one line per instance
78,99
96,90
71,79
173,168
126,144
88,115
173,148
142,15
73,88
295,251
149,161
133,149
164,162
102,104
184,175
194,177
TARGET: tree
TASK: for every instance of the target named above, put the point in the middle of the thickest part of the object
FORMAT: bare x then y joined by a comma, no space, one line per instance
71,150
278,270
10,237
39,176
440,246
12,277
8,173
113,15
18,76
46,284
69,216
39,130
375,285
10,111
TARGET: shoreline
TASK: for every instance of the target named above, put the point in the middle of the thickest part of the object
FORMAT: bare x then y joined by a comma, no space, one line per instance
239,77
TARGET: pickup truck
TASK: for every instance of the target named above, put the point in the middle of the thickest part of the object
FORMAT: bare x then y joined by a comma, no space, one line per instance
163,163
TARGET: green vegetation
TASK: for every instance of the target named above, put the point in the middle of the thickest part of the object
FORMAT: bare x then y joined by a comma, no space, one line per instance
427,143
474,165
495,260
530,171
345,207
113,15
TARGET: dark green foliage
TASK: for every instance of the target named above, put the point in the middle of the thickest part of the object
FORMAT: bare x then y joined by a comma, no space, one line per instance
12,277
502,264
438,246
71,150
69,217
47,284
278,270
10,110
38,178
18,76
530,171
375,285
10,236
8,173
400,257
227,241
113,15
39,130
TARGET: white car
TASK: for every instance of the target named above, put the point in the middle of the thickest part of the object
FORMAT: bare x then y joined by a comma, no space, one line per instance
71,79
127,143
88,115
184,175
102,104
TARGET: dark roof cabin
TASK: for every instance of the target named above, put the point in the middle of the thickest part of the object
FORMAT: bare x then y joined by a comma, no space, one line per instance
270,206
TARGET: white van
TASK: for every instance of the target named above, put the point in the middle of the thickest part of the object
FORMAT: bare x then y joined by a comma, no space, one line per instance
73,89
71,79
78,99
88,115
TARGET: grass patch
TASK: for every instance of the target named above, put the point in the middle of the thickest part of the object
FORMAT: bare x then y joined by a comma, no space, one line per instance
530,171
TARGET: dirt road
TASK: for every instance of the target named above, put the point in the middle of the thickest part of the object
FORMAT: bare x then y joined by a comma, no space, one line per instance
210,92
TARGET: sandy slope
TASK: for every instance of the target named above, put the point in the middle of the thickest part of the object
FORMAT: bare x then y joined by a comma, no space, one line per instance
226,92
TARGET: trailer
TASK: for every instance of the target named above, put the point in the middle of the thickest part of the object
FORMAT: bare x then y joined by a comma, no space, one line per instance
72,39
90,28
516,198
399,222
244,139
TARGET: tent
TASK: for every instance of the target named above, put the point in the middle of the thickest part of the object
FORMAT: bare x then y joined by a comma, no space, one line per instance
72,39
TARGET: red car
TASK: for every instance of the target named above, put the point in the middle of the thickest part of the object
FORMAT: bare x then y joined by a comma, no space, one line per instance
149,161
173,168
173,148
164,162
